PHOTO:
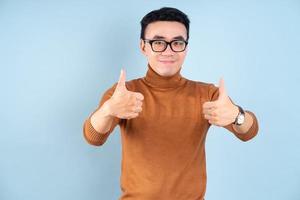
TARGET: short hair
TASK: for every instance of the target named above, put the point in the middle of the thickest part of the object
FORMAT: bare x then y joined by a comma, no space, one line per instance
165,14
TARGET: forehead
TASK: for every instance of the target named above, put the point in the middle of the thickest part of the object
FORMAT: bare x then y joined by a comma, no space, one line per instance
166,29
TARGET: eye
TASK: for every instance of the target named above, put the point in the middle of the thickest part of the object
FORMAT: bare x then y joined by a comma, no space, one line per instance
159,42
178,43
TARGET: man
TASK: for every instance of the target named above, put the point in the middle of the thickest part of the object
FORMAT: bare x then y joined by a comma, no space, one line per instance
164,117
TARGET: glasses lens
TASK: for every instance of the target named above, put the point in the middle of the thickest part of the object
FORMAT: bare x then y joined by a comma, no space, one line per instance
159,45
178,45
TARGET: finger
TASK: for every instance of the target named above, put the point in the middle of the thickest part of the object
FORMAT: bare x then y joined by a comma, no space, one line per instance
210,112
122,79
138,103
209,108
211,116
222,89
139,96
138,109
135,109
209,105
129,115
206,111
132,115
207,116
213,122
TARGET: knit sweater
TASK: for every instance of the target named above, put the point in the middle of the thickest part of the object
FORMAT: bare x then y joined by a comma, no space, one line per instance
163,149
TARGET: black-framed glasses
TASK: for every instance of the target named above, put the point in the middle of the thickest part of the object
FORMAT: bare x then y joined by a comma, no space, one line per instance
161,45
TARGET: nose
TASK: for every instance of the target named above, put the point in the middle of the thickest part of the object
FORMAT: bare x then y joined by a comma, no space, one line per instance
168,50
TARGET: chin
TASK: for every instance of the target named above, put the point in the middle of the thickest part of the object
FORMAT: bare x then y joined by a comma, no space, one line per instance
167,70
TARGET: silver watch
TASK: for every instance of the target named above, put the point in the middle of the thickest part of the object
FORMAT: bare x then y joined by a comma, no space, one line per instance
240,118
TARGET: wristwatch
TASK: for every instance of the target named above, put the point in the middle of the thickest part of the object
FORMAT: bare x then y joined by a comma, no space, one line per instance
240,118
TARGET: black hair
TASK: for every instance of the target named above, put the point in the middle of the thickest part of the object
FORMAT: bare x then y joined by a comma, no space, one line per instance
165,14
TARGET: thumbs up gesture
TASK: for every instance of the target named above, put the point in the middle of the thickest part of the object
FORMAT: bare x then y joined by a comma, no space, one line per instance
221,112
125,104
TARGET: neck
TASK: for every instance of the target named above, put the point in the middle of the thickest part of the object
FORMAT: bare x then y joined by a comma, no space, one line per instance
156,80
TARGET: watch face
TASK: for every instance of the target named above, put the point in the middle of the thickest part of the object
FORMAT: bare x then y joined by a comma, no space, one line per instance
241,119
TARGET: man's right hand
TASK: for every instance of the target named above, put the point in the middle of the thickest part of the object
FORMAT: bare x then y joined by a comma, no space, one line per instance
125,104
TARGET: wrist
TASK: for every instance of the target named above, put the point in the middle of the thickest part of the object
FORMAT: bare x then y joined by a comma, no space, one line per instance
106,109
235,113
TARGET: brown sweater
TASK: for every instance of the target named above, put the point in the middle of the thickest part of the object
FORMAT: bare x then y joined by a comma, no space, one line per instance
163,149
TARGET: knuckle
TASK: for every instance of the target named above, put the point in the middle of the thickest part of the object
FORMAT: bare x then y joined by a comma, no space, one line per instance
133,108
140,96
132,95
138,103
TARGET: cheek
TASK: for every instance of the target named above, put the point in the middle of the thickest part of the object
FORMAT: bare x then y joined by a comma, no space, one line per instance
182,57
152,56
149,53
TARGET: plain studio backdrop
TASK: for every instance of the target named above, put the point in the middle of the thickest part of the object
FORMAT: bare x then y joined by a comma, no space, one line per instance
58,57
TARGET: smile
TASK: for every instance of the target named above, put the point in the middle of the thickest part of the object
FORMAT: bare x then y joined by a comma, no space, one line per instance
166,61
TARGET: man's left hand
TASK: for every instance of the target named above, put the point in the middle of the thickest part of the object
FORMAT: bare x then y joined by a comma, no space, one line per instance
221,112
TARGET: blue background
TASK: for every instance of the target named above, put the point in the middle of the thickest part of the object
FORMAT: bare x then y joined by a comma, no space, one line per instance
58,57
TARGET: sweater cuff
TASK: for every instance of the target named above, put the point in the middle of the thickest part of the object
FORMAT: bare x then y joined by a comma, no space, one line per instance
92,136
252,132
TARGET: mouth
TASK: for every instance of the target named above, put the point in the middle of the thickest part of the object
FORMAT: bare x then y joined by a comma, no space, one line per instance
167,61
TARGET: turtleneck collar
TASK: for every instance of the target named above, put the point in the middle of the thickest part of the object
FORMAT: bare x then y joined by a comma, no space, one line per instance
156,80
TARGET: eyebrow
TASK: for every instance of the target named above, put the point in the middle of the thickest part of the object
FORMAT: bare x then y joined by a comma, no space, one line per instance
174,38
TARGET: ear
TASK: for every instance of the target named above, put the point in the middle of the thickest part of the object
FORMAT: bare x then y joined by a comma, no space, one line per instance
142,47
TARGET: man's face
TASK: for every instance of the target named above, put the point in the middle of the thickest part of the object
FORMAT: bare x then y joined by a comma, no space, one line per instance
168,62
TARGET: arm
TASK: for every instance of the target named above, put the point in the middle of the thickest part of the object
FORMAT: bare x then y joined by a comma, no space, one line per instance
244,128
247,130
102,120
225,114
117,103
98,126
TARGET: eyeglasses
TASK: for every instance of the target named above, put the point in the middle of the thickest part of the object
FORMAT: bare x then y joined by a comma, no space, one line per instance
161,45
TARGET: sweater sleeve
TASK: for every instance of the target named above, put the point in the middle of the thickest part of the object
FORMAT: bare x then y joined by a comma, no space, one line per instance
251,133
90,134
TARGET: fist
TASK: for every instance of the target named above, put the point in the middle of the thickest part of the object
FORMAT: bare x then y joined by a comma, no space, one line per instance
125,104
221,112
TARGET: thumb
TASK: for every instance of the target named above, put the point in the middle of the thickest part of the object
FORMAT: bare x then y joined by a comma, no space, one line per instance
122,79
222,90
